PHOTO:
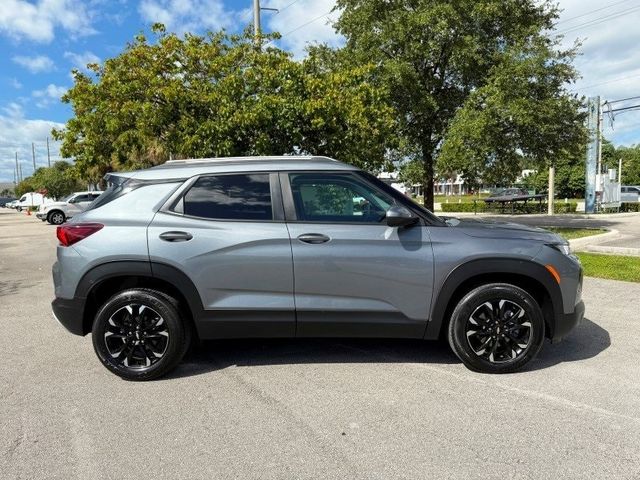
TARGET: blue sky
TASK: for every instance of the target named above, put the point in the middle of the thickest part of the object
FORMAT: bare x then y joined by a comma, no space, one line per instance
43,40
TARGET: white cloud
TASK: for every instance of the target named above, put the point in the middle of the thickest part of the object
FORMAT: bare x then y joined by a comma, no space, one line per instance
183,16
20,19
81,60
48,95
302,23
15,83
39,63
13,110
16,135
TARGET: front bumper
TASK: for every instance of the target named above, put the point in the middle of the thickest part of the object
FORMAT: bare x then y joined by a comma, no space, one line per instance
567,321
70,313
41,216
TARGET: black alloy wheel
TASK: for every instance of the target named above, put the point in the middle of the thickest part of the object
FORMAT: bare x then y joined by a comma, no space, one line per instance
140,334
496,328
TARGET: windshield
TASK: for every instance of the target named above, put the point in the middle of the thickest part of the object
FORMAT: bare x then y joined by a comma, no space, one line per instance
66,199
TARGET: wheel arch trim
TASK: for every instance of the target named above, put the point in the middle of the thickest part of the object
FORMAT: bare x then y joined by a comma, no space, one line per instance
489,266
98,274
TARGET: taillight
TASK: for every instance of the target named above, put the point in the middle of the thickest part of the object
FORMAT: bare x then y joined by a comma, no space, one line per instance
74,232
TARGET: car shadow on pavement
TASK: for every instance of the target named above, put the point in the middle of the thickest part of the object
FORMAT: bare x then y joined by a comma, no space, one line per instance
220,354
586,341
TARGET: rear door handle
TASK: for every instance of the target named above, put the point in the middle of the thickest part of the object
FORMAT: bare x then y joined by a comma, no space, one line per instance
313,238
176,236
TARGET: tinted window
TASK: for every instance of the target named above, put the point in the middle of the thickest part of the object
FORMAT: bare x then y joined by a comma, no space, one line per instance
337,198
234,197
81,198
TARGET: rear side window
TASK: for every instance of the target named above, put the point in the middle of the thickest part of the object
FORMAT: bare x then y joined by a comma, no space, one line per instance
230,197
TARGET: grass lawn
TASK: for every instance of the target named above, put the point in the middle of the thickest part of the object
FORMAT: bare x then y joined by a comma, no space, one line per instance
571,233
614,267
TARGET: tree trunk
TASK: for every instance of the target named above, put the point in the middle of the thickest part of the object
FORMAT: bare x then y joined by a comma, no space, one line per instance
427,182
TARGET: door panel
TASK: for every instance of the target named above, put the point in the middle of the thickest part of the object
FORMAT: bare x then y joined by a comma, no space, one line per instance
242,270
222,235
368,280
354,275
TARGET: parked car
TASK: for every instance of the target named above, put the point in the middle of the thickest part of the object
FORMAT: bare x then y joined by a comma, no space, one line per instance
57,213
511,195
31,199
300,247
630,193
5,200
11,204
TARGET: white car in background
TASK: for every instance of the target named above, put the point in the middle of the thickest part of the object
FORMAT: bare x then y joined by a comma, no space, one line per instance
56,213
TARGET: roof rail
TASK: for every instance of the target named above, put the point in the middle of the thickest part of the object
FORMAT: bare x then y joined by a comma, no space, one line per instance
265,158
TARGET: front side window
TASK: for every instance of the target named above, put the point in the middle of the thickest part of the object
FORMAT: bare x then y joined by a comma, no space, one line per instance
232,197
326,197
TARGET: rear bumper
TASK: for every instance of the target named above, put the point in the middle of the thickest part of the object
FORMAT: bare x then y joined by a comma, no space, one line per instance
567,321
69,313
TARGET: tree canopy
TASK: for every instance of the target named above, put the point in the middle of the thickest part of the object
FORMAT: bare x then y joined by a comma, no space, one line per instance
479,82
56,181
220,95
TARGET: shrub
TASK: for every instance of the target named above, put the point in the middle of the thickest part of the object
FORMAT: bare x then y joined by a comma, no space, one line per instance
630,207
480,206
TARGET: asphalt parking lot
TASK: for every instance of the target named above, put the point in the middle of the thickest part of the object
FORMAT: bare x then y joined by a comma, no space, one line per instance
313,409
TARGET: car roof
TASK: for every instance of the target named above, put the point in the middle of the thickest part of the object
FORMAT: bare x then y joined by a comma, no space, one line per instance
188,168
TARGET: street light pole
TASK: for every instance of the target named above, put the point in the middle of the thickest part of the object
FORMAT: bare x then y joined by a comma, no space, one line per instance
256,18
48,153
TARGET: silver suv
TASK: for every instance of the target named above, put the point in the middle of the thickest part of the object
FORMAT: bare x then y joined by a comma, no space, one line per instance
300,247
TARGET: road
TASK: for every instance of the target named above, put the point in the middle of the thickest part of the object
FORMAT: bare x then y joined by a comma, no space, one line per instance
313,409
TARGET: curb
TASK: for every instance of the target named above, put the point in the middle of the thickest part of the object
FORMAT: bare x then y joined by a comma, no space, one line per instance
628,251
581,243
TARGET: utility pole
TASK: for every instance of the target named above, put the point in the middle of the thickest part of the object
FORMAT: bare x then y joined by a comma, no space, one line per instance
256,18
33,155
17,168
593,150
48,153
552,184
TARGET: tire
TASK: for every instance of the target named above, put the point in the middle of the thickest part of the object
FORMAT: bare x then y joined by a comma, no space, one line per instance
139,334
56,217
496,328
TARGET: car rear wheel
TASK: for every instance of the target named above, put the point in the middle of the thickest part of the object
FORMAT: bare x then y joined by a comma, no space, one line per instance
496,328
56,217
139,334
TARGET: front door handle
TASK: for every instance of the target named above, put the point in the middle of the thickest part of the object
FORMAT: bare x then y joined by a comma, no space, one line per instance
313,238
176,236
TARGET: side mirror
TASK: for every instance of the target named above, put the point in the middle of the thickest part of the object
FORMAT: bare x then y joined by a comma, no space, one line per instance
398,216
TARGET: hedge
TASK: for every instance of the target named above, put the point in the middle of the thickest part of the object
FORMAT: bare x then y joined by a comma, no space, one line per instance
630,207
480,206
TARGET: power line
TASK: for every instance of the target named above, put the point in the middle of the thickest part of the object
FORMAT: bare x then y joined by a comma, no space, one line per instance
590,12
288,5
600,20
307,23
621,109
608,82
607,102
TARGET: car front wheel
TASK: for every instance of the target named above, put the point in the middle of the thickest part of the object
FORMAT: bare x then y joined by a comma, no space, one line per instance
138,334
56,218
496,328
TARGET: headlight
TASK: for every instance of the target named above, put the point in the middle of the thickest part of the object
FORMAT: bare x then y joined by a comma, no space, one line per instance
561,247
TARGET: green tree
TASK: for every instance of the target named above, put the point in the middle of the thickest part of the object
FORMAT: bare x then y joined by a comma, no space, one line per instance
55,181
219,95
630,157
521,116
438,57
